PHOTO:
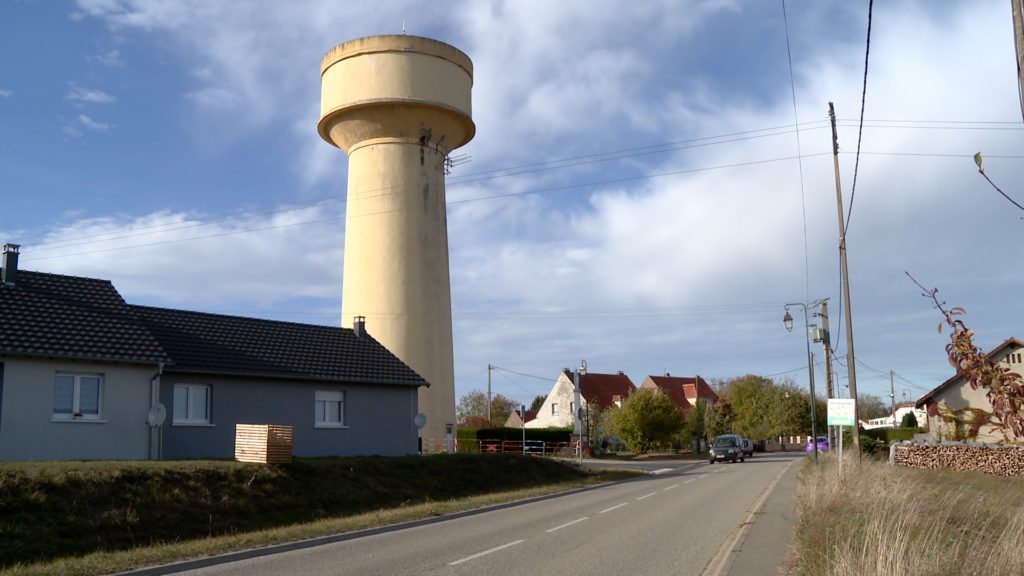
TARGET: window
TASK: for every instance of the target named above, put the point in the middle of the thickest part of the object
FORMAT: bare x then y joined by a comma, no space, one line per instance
330,409
191,404
554,408
77,396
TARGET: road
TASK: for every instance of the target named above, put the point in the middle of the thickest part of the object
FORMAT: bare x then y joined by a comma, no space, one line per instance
681,520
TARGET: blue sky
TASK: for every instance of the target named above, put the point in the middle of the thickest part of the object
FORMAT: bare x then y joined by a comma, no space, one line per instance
636,196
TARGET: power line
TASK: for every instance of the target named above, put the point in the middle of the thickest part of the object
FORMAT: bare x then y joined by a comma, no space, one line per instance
800,163
493,367
860,129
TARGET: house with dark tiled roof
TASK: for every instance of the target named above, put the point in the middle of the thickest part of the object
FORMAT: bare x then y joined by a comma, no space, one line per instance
601,390
84,375
684,391
953,407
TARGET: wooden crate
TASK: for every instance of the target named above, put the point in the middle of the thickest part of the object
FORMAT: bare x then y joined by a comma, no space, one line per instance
263,443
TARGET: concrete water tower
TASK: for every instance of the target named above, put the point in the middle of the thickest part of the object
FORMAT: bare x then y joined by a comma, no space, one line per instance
397,105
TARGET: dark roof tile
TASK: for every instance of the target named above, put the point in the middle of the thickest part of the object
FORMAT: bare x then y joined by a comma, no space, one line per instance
55,316
233,345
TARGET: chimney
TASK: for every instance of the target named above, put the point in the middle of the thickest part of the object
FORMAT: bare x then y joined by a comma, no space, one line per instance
10,264
359,326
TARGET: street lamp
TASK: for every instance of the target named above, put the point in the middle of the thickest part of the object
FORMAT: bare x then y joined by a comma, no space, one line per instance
787,321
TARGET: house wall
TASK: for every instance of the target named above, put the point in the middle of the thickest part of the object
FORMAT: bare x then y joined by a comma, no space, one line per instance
379,419
960,395
27,428
563,394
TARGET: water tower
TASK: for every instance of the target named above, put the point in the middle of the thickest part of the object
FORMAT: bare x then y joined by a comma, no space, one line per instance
398,105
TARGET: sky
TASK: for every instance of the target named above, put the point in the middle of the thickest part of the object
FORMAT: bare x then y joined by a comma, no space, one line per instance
649,185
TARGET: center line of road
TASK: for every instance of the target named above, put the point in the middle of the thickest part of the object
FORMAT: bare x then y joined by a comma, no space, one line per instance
485,552
661,471
647,495
690,480
576,521
671,487
703,476
613,508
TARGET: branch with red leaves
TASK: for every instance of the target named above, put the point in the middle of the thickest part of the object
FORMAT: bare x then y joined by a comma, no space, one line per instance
1004,388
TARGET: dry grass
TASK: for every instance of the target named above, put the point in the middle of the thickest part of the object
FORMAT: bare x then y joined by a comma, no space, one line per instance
878,520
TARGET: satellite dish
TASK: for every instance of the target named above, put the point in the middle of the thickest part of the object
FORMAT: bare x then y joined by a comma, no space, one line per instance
157,415
420,420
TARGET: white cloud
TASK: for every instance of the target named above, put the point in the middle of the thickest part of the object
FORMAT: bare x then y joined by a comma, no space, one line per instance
6,93
91,96
178,260
93,125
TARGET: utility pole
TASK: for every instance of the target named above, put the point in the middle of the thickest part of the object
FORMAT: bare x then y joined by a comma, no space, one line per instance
489,423
826,342
578,412
1018,42
892,399
850,361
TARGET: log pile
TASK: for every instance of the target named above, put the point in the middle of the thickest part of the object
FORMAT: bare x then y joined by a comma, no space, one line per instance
997,460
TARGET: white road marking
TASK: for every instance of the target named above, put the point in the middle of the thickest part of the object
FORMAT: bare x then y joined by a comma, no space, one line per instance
567,524
704,475
613,508
671,487
661,471
647,495
485,552
690,480
724,557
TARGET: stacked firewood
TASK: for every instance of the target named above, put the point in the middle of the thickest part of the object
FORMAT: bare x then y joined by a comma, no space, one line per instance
998,460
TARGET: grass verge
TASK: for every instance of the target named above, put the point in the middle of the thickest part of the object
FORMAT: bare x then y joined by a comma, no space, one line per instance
56,504
879,520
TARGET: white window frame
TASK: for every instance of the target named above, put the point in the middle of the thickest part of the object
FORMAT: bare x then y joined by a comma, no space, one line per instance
329,403
554,408
188,419
76,414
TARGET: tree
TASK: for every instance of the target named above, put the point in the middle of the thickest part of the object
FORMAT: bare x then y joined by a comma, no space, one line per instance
646,420
909,420
718,418
870,406
750,397
538,401
471,410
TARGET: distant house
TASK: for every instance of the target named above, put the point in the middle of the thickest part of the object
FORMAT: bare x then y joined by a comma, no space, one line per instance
602,390
949,406
515,420
901,411
684,391
83,375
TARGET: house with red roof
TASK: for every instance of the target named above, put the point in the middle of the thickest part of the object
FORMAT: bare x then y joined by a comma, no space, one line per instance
602,390
684,391
950,405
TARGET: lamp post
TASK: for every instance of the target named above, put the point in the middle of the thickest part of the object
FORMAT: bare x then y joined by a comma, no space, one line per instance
787,321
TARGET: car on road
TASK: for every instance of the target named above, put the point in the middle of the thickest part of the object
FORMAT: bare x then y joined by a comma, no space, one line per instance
748,447
726,447
822,442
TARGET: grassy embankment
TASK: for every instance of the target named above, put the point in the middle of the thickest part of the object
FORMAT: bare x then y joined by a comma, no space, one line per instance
97,517
879,520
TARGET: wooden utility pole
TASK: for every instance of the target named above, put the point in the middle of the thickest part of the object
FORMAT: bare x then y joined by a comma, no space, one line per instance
826,342
1018,41
850,362
489,423
892,400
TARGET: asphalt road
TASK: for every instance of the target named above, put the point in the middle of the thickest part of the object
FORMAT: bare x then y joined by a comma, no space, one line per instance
685,518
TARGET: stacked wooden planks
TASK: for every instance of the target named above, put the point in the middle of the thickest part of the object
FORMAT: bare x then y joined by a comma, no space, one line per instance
263,443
